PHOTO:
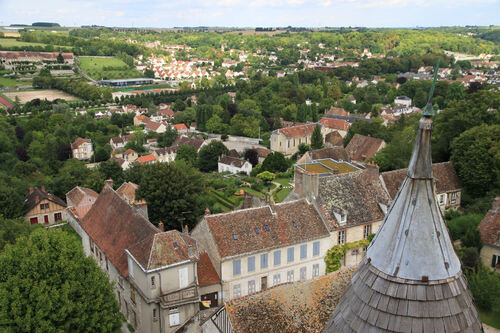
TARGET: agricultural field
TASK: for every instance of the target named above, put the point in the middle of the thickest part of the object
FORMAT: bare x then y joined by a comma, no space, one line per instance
49,94
107,68
11,42
4,82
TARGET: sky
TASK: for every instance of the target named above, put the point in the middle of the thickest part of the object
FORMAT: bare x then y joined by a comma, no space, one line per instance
252,13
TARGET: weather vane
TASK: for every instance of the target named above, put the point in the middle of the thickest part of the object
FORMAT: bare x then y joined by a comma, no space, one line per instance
429,110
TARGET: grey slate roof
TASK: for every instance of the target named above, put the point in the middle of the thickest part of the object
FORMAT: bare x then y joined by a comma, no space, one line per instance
411,279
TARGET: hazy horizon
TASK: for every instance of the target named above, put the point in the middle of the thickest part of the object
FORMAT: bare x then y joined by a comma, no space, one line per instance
254,13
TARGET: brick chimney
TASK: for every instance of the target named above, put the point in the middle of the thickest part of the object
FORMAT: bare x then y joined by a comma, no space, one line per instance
185,229
207,211
161,226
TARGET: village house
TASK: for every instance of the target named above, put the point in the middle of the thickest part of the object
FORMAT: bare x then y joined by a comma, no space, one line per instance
127,192
146,159
121,141
329,125
44,208
234,165
130,155
82,149
152,126
140,120
165,155
403,100
334,139
287,140
154,272
335,153
121,162
447,185
490,236
362,148
180,128
196,141
256,248
81,200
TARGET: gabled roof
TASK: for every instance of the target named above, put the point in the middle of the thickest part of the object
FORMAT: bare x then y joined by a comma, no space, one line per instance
335,139
299,130
114,226
359,195
180,127
129,151
147,158
123,139
338,124
207,275
337,153
282,232
490,225
445,179
164,249
78,142
78,193
127,191
234,161
362,147
152,125
195,141
34,198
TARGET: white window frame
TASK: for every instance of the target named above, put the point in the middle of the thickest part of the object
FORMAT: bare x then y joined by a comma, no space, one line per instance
251,286
276,279
303,273
174,319
341,237
315,271
183,277
289,276
236,290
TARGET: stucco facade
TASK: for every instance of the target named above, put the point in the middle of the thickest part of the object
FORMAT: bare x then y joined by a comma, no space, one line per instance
83,151
46,212
490,257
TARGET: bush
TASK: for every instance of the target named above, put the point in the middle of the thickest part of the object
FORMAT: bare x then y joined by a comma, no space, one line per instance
485,287
459,226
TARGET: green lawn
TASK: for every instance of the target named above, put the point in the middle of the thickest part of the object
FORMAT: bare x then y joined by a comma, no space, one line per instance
283,181
281,194
10,42
490,318
11,83
95,68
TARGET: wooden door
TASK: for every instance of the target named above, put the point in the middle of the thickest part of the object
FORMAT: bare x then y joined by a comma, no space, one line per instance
46,219
263,283
34,220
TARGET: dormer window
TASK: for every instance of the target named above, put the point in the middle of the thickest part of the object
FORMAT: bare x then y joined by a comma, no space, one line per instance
176,245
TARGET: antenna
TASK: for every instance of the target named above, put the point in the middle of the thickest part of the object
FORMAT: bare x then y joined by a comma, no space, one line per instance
429,111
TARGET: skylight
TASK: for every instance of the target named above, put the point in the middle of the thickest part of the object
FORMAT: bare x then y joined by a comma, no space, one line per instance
267,228
176,245
294,224
256,231
235,236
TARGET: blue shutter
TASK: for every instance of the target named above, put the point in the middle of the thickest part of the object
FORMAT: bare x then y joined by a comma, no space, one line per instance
303,251
289,254
251,264
316,249
236,267
277,258
263,261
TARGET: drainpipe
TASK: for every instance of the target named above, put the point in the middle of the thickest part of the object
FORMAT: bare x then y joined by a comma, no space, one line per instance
159,306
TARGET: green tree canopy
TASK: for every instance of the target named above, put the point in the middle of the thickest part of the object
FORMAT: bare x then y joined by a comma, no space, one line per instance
187,153
172,191
209,155
275,162
48,285
317,140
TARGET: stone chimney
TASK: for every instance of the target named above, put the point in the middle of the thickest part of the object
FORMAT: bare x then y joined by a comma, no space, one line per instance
31,190
190,250
161,226
43,188
185,229
109,183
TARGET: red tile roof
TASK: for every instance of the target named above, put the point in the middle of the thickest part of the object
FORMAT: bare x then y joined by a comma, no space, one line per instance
207,275
282,232
114,226
180,127
78,193
445,179
6,103
338,124
147,158
33,198
78,142
129,151
164,249
490,225
127,191
335,139
362,147
300,130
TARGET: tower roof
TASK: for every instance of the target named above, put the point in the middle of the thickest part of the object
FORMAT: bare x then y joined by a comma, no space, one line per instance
410,279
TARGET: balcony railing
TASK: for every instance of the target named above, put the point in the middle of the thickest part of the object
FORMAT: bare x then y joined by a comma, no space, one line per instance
187,295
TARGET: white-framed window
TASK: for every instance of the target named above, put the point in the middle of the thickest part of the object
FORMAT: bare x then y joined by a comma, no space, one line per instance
263,261
303,273
251,264
277,258
290,254
251,286
276,279
341,237
303,251
316,249
453,197
367,230
236,290
174,319
315,270
236,267
289,276
183,277
441,199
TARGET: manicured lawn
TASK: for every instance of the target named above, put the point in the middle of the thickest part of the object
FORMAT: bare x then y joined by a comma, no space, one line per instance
490,318
283,181
95,67
252,191
4,82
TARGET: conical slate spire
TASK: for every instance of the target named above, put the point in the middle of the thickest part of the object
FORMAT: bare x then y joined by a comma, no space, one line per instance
411,279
